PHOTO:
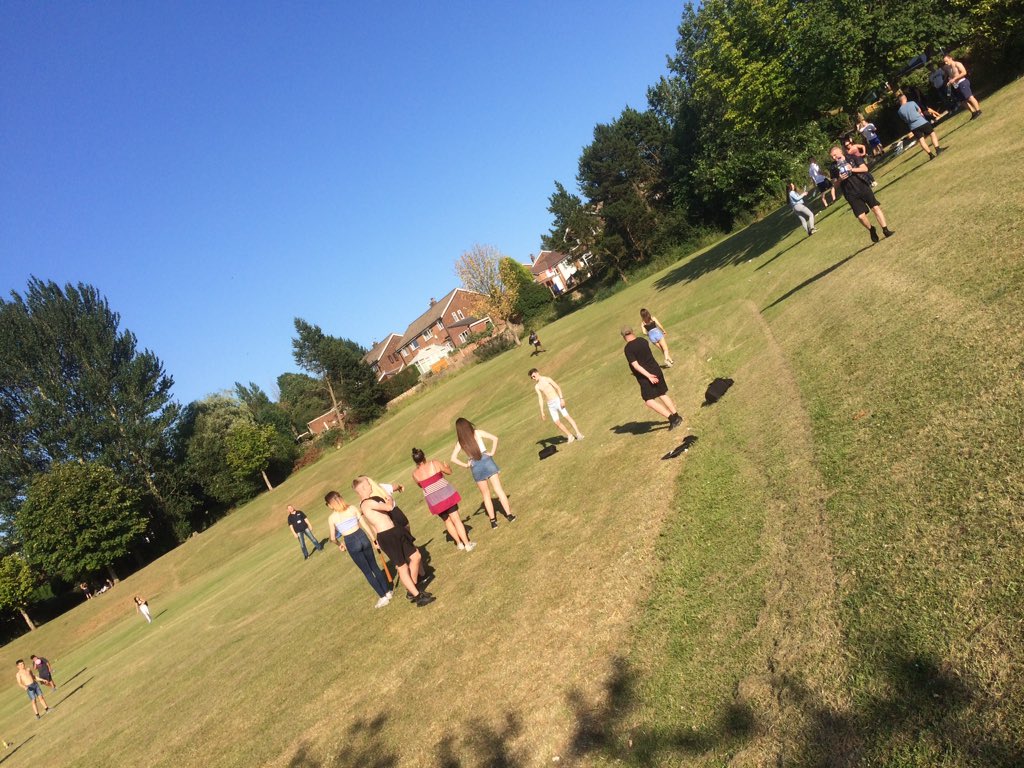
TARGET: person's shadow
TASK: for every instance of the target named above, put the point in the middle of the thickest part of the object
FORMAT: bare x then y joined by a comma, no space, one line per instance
638,427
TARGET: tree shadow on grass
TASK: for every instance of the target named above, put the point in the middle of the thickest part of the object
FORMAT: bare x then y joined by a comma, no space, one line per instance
486,746
363,748
815,278
638,427
923,707
10,754
748,243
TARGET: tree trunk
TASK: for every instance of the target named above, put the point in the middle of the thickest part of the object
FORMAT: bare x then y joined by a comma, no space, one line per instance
334,400
111,574
28,621
266,480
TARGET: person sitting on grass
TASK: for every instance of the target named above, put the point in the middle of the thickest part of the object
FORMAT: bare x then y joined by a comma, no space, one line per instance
857,191
550,394
393,538
352,533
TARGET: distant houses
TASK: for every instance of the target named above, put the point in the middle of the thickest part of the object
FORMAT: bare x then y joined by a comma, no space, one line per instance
561,271
427,341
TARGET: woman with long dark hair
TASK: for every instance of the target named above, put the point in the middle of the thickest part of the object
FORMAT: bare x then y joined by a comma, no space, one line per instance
442,499
481,463
656,333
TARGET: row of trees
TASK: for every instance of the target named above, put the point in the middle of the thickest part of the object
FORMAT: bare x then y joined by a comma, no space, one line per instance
98,463
753,88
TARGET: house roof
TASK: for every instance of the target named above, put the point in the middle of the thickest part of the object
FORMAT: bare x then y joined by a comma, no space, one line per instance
375,354
437,310
466,321
546,260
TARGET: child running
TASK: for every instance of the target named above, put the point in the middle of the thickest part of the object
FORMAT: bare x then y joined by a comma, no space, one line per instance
550,394
393,537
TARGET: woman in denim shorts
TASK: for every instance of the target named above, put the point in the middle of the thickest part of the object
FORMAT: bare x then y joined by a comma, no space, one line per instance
481,463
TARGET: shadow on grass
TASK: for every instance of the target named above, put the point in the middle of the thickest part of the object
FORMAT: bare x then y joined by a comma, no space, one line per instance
638,427
65,682
10,754
363,748
815,278
750,242
67,696
923,708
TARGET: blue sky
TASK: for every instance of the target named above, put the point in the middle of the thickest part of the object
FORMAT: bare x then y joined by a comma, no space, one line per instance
217,169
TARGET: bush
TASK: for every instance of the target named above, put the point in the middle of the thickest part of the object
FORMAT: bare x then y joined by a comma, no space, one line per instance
494,347
400,383
311,454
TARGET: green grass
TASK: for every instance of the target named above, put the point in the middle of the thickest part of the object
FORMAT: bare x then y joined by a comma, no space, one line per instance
832,576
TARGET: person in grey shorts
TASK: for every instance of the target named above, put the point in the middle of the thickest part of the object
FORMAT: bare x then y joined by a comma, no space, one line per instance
796,202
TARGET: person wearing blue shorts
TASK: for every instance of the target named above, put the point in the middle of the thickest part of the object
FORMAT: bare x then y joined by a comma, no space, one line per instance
470,441
27,680
656,333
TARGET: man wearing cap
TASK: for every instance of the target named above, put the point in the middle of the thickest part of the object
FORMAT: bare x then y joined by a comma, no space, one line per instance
649,376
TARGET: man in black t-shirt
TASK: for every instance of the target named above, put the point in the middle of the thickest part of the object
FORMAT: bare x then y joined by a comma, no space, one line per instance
852,179
649,376
299,524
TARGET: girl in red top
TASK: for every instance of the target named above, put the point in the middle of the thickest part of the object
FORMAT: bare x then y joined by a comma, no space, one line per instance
442,499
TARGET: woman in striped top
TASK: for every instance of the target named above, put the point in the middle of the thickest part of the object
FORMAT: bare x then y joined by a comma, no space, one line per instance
442,499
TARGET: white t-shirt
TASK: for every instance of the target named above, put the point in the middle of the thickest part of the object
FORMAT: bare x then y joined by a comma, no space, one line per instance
815,172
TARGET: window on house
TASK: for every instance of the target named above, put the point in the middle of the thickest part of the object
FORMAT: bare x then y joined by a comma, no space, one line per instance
463,337
414,344
440,325
428,334
457,315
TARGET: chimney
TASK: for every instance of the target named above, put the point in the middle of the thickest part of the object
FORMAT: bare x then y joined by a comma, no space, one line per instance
533,259
432,301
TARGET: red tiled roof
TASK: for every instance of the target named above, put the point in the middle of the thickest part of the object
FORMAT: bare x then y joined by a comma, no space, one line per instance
375,354
546,260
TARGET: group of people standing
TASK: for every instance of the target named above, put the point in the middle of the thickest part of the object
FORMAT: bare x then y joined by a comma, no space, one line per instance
375,530
849,171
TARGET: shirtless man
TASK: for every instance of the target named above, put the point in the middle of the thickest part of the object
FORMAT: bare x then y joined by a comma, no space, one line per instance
961,85
394,540
28,683
550,394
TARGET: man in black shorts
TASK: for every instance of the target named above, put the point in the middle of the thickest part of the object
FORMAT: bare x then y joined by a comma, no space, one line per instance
853,181
649,376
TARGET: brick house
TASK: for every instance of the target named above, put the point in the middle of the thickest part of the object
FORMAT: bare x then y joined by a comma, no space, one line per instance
558,271
325,422
445,325
384,357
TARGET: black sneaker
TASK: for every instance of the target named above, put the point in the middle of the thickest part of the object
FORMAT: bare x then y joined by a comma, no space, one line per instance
424,599
494,523
510,518
874,235
887,232
675,420
939,150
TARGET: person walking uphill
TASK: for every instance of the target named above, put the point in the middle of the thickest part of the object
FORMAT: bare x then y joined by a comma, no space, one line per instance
911,114
648,374
857,191
481,464
299,524
352,533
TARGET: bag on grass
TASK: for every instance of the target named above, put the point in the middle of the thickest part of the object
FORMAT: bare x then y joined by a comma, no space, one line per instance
716,389
547,450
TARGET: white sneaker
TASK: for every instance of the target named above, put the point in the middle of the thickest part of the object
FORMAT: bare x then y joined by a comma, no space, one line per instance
383,601
579,437
460,546
572,439
471,546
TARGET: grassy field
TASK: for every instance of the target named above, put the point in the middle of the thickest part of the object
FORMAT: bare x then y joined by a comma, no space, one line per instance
831,576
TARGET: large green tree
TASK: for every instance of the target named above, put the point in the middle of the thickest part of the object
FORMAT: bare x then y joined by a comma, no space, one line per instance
17,583
79,518
250,446
302,398
338,362
205,427
74,386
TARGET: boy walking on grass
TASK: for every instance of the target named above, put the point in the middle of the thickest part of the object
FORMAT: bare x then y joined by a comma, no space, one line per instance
27,680
852,180
550,394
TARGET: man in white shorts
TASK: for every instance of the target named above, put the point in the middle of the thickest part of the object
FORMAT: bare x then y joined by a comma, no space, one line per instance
550,394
